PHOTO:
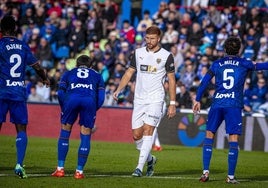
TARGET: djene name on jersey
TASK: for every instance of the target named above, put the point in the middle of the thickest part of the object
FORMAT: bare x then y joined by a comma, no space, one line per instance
229,62
87,86
13,46
14,83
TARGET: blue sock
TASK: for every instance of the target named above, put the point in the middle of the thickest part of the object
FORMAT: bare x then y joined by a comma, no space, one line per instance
83,151
63,146
21,145
207,153
232,157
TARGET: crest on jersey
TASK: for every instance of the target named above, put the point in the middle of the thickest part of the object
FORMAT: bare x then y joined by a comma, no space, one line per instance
158,60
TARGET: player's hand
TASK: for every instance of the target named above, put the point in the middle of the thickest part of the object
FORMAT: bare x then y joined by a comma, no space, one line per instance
196,107
94,129
171,111
115,95
46,82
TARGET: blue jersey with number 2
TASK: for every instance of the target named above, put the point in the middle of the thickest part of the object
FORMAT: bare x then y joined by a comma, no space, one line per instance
14,57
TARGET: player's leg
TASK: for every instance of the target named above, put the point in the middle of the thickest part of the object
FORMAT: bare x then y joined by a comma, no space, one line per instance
146,146
21,143
152,115
137,132
83,151
207,154
19,117
86,121
215,118
63,148
68,117
234,129
21,146
232,158
156,141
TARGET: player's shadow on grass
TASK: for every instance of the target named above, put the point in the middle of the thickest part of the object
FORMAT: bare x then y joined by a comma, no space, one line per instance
183,172
255,178
39,171
4,168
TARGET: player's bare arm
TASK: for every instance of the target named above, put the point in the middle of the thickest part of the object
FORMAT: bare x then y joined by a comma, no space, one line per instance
172,93
124,81
196,107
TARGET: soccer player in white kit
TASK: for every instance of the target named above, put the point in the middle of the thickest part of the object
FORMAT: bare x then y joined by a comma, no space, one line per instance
152,65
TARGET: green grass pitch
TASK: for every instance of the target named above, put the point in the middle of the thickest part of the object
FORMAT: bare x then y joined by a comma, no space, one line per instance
110,166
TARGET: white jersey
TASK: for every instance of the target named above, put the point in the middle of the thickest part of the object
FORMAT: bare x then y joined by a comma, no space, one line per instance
151,68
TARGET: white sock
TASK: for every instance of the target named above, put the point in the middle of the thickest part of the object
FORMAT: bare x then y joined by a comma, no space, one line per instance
157,141
144,151
59,168
154,135
80,171
139,144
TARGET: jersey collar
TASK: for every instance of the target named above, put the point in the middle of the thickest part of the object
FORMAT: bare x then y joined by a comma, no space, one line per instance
154,51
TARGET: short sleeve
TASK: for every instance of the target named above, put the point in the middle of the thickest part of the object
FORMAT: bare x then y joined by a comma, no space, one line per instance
170,64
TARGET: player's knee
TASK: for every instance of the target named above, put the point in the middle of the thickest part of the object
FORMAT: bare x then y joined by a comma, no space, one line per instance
84,130
137,136
233,138
20,127
137,133
66,127
148,130
209,134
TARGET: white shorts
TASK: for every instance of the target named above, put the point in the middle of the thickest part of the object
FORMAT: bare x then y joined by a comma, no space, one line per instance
150,114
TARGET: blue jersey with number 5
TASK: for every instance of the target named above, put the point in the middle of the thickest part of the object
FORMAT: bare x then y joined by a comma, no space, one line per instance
14,57
230,73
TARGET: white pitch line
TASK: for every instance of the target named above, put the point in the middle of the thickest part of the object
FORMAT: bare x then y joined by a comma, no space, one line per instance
103,175
126,176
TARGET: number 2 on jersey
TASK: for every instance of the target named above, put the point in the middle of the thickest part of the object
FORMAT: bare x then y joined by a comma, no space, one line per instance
13,59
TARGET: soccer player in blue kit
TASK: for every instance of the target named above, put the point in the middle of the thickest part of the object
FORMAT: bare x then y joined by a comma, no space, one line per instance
14,57
230,73
81,92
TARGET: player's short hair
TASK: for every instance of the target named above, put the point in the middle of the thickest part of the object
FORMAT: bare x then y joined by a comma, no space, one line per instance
8,25
232,45
153,30
84,60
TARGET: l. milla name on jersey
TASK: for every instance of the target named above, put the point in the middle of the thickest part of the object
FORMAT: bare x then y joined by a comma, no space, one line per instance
229,62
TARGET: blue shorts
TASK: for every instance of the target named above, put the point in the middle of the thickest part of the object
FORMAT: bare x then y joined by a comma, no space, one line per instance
17,110
232,117
85,107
